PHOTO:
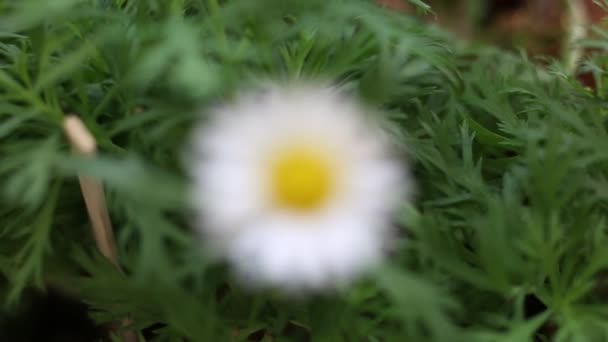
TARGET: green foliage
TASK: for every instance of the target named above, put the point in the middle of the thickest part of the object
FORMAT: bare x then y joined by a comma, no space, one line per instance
511,162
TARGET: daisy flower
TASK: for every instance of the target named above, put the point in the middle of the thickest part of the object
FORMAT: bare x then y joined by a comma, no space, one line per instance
295,186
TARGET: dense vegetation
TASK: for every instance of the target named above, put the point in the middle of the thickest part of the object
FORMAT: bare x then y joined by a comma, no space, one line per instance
511,162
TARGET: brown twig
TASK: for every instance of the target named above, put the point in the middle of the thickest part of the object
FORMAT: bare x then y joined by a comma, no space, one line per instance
84,143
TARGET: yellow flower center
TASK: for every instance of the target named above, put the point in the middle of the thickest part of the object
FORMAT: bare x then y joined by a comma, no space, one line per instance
301,178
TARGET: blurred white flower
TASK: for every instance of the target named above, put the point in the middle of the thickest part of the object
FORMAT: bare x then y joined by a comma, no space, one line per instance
296,187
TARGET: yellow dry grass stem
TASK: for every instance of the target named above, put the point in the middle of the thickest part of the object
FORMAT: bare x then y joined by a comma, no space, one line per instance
83,142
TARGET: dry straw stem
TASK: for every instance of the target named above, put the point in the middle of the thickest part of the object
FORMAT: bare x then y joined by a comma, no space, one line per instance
578,21
84,143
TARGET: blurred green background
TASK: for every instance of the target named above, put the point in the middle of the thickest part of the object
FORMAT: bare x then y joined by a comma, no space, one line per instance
159,75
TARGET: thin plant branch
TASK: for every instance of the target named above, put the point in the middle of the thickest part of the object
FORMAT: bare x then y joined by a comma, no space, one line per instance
578,22
84,143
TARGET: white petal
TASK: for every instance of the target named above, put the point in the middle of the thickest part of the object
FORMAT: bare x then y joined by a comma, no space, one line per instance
294,254
230,193
377,186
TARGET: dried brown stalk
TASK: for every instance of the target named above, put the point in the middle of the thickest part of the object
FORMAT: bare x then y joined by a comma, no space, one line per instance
84,143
